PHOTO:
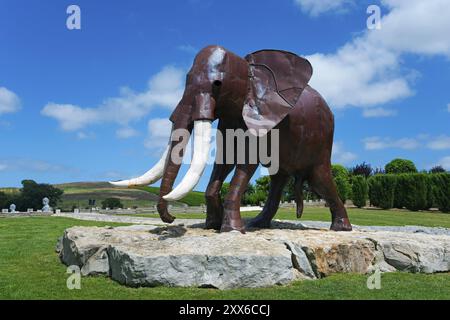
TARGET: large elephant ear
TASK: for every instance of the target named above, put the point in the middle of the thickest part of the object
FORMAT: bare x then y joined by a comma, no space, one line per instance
277,79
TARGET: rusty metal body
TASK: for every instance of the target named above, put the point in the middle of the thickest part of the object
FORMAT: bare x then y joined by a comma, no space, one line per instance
268,89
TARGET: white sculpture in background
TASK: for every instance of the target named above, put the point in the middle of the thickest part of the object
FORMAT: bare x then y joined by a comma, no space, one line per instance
46,203
12,208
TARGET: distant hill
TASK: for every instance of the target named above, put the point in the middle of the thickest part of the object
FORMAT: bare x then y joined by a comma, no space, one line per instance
77,194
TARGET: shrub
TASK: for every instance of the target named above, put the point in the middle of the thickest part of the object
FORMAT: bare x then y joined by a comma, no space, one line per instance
344,188
359,191
415,191
430,193
437,169
112,203
31,195
254,198
4,199
399,193
224,190
341,179
338,170
381,190
398,166
263,184
441,190
363,169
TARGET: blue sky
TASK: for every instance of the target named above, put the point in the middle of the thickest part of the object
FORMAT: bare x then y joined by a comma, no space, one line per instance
92,104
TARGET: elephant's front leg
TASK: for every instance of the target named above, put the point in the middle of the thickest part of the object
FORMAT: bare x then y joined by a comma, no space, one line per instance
232,215
214,207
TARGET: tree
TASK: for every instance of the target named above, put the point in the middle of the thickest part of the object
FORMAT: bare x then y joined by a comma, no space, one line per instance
341,178
248,196
415,191
263,184
398,166
437,169
289,191
32,193
381,190
359,191
363,169
4,199
113,203
224,190
441,190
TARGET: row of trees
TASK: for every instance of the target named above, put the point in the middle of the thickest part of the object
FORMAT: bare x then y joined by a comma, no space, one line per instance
30,196
397,185
413,191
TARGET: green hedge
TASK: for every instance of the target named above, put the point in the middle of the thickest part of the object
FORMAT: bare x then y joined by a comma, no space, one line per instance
440,186
381,190
341,179
414,191
360,190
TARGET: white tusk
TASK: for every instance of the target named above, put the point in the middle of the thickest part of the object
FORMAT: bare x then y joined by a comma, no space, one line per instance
202,145
151,176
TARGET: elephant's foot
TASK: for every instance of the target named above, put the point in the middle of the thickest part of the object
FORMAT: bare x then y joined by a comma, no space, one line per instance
164,214
232,224
214,218
213,224
260,222
341,224
233,227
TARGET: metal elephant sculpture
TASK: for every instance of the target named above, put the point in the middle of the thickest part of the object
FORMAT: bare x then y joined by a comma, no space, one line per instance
266,90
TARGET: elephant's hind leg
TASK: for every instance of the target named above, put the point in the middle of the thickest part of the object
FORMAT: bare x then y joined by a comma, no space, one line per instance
322,182
262,220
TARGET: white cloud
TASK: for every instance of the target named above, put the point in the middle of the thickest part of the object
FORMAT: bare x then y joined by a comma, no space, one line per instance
126,132
378,112
81,135
317,7
340,155
71,117
158,133
188,49
368,70
9,101
445,163
439,143
377,143
30,165
164,90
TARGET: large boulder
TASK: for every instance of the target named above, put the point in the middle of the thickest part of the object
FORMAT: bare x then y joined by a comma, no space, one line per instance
183,256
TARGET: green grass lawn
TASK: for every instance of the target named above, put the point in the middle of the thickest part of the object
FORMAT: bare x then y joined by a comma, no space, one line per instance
193,198
30,269
363,217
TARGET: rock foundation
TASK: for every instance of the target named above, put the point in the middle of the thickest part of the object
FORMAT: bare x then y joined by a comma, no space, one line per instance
183,256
